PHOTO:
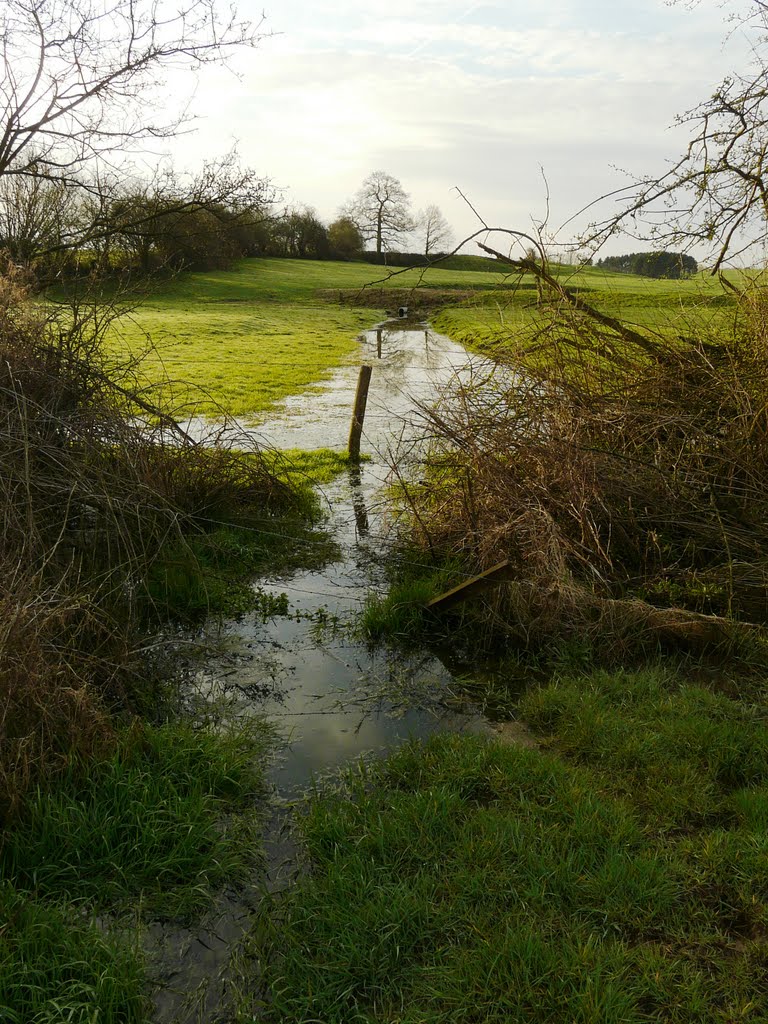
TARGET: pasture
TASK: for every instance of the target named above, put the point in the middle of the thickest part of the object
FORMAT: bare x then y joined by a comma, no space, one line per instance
241,340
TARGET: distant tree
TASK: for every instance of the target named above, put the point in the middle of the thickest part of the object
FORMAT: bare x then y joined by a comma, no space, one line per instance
306,235
176,223
435,230
295,232
381,210
670,265
344,238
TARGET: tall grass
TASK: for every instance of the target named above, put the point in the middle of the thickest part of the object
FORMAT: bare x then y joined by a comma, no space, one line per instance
153,824
98,484
170,817
56,964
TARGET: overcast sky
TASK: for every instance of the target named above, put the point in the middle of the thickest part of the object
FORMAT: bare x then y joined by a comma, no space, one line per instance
445,93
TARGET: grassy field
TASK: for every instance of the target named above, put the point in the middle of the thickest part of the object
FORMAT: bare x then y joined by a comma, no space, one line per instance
253,335
247,337
616,876
689,307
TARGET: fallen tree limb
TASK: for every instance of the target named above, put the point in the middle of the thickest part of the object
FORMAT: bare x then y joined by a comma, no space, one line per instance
624,332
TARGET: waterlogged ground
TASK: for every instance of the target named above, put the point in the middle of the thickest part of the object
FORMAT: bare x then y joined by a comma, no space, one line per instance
331,697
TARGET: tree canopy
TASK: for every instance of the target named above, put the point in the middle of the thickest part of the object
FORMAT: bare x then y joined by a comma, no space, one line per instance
672,265
381,209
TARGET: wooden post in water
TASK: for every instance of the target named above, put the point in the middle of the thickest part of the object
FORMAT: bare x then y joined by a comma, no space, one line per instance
358,415
358,500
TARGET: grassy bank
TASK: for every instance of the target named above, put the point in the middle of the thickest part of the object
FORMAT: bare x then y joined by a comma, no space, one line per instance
684,308
113,531
210,571
616,875
170,817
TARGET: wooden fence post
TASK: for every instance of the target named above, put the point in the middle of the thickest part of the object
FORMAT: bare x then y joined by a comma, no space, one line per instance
358,415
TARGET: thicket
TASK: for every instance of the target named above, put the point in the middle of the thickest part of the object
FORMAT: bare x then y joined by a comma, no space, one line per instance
623,475
98,485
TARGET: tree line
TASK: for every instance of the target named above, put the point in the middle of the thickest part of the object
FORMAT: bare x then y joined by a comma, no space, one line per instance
379,214
62,226
671,265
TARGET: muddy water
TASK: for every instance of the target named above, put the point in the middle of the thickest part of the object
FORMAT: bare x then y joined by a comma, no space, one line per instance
331,697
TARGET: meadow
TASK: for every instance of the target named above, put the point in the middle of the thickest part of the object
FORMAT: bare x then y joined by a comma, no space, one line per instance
614,874
609,870
238,341
241,340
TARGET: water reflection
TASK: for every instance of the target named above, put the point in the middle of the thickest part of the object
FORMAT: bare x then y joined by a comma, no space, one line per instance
332,696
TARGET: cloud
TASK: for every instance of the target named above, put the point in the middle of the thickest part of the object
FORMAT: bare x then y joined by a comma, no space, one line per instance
492,97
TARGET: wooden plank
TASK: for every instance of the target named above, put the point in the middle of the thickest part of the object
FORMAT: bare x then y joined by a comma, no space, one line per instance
470,588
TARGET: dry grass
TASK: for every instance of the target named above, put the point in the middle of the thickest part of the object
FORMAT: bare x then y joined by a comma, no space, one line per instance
624,476
90,495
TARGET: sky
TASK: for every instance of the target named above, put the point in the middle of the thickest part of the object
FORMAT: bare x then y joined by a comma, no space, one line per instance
505,100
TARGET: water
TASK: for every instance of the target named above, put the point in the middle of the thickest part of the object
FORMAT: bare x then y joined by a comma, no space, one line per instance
333,697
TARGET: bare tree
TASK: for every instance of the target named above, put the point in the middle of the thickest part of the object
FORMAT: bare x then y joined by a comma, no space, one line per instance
716,193
81,88
435,229
381,210
80,77
36,212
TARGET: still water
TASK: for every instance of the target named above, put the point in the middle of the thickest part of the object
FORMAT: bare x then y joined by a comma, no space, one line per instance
331,696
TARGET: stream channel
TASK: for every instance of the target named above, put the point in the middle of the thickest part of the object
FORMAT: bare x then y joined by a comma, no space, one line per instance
331,697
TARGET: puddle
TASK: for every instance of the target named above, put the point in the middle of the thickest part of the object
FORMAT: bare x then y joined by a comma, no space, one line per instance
332,696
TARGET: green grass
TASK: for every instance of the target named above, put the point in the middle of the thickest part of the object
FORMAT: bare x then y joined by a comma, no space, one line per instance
211,572
619,877
269,328
170,818
163,823
401,615
56,964
253,335
307,469
696,307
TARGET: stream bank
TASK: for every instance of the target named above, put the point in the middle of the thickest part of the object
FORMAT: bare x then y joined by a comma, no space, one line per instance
332,695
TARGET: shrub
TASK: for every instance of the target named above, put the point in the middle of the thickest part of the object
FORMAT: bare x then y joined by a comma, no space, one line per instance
623,475
97,483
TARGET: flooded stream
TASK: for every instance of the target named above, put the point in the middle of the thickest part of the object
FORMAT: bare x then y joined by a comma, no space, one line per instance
332,697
